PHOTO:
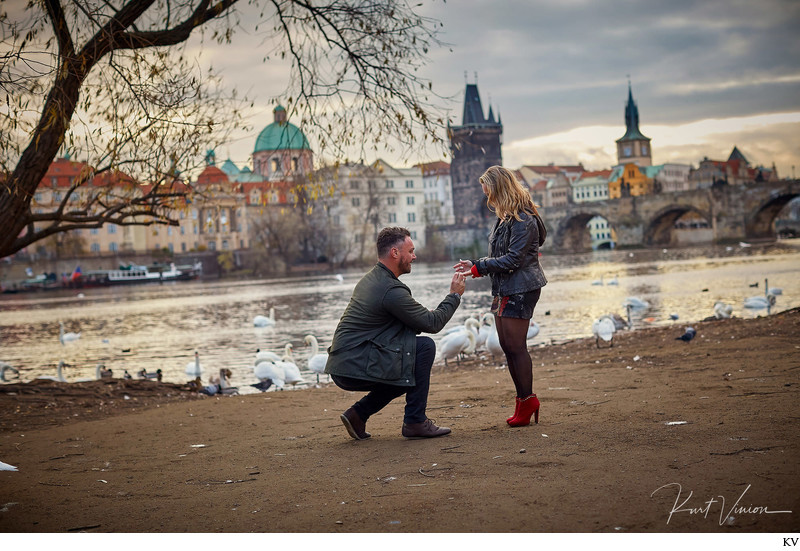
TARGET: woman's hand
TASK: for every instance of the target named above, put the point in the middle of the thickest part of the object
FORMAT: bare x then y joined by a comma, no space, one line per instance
463,267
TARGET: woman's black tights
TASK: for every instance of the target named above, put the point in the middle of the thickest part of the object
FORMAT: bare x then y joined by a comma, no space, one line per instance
512,333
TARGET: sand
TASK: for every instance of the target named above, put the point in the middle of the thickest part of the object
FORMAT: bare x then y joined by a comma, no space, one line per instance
624,431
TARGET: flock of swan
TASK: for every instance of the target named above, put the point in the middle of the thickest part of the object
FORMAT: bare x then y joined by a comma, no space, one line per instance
475,334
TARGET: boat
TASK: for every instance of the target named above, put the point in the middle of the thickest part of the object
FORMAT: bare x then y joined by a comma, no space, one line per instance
135,273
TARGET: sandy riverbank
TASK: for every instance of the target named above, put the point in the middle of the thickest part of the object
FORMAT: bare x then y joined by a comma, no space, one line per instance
168,460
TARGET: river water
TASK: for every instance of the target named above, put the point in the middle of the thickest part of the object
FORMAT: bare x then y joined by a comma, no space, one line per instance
160,326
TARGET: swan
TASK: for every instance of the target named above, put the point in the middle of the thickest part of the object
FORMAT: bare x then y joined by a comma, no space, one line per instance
533,330
66,337
598,281
60,373
316,360
457,343
7,367
291,373
339,278
194,369
603,328
266,355
635,303
270,370
7,467
722,310
264,321
613,281
493,340
759,302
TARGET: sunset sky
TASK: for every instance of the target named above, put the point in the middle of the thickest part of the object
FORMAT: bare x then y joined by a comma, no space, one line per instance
706,75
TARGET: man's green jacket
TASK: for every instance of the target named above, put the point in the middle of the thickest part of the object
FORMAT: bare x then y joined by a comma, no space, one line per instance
376,337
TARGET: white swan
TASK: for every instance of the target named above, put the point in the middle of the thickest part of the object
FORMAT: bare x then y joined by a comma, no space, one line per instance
60,373
722,310
457,343
269,370
339,278
636,303
598,281
316,359
613,281
7,367
493,340
269,356
194,369
7,467
759,302
533,330
66,337
603,328
264,321
291,373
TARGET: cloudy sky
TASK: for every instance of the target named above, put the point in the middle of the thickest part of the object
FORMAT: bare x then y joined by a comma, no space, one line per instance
706,75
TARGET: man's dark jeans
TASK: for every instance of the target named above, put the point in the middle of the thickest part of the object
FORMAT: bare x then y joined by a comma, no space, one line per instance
380,394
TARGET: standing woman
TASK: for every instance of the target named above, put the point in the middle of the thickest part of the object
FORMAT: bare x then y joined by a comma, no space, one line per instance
517,279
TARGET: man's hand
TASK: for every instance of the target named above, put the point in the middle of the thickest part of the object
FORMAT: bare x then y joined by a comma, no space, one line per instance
457,285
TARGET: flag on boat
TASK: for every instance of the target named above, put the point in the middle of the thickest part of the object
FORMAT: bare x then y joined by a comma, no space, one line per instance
76,273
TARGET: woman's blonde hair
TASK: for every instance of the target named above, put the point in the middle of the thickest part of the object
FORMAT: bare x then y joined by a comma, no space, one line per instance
505,195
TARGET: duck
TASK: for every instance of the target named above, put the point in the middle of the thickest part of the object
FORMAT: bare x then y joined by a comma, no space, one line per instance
268,370
316,359
100,372
60,373
264,321
127,375
222,383
194,369
603,328
7,367
158,375
67,337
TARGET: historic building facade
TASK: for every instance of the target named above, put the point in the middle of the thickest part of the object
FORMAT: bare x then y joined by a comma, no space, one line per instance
633,147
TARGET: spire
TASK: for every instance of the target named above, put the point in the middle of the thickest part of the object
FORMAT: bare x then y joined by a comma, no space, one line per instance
632,131
473,110
490,117
736,155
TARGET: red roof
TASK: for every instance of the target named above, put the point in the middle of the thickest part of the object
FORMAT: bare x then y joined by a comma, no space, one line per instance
435,167
212,175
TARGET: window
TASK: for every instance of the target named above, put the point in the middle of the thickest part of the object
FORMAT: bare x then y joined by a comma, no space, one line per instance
409,200
224,244
112,228
37,197
56,196
413,235
183,247
389,183
112,247
183,230
392,217
390,200
171,247
412,217
294,164
644,149
356,201
194,215
212,245
409,183
354,184
169,231
94,231
275,165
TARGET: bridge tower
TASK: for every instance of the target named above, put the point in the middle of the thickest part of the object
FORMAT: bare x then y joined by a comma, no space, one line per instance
474,146
633,147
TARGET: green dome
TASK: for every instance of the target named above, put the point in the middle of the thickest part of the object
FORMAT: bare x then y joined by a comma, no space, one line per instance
281,134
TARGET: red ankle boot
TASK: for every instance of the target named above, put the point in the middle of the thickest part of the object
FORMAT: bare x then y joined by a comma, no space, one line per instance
516,410
527,407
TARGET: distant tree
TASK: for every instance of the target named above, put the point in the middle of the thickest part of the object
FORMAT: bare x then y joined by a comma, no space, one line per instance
112,83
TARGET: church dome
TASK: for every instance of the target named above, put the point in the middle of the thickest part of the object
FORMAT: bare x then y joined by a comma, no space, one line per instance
280,135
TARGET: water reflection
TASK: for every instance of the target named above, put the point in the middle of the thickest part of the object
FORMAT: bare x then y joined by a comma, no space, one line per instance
161,326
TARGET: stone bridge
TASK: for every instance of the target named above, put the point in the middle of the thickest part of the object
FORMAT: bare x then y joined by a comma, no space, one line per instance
734,213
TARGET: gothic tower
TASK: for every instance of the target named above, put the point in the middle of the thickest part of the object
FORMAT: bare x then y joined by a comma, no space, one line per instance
633,147
474,146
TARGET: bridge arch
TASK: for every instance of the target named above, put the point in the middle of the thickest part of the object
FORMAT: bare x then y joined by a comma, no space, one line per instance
572,234
658,231
760,223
